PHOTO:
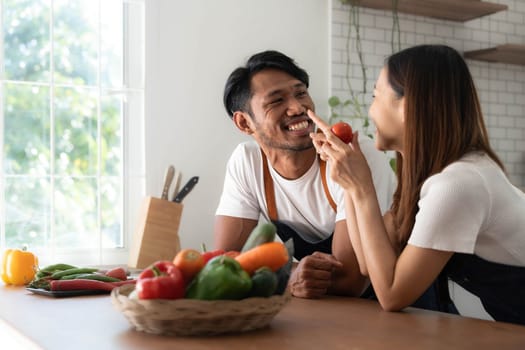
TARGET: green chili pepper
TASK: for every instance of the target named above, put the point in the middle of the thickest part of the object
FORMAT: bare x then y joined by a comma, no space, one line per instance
41,283
91,276
72,276
57,267
98,277
41,274
51,269
59,274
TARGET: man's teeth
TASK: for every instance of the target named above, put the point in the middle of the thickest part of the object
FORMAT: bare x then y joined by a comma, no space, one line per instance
298,126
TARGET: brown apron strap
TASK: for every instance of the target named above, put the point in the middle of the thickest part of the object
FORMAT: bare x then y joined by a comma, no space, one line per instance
268,189
322,166
270,192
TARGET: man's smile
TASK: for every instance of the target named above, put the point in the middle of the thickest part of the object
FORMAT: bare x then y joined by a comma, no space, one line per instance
298,126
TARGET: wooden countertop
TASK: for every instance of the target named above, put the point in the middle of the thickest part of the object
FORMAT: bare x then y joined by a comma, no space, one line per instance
91,322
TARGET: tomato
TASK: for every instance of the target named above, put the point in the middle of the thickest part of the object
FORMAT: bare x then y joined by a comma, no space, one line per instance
208,255
189,262
343,131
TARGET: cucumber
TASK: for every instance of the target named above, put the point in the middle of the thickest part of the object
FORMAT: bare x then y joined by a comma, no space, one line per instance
264,232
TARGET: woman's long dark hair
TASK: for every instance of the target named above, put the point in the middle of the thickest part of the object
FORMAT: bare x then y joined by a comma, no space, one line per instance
443,121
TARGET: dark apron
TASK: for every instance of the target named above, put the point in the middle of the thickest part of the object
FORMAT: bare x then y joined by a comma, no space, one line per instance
501,288
301,246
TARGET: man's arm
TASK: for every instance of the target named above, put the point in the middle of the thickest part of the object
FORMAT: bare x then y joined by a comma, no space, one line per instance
231,232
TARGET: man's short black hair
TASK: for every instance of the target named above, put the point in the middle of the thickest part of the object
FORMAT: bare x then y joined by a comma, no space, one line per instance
237,90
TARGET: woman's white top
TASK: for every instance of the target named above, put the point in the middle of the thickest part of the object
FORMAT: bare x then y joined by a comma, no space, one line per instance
471,207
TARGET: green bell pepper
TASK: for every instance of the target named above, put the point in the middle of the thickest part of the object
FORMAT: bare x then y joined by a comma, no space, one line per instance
221,278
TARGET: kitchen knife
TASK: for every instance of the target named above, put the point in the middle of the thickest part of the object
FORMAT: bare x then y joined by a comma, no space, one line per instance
176,181
186,189
168,178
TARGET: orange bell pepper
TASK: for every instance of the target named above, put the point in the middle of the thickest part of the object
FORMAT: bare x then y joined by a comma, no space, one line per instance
18,267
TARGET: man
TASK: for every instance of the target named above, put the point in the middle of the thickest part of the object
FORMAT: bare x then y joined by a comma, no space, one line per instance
280,178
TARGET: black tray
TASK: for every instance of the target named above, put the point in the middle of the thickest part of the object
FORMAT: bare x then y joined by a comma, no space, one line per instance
66,293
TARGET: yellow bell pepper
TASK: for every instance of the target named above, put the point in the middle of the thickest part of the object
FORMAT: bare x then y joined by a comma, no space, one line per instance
18,267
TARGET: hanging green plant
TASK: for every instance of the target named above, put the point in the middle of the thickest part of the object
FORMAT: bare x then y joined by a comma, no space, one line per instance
354,106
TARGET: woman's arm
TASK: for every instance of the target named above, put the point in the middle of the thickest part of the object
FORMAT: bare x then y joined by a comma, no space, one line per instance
397,281
353,233
391,231
347,279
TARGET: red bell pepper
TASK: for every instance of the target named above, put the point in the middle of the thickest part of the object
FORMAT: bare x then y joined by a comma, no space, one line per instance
161,280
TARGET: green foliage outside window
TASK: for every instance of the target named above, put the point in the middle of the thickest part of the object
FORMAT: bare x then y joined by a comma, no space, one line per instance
62,154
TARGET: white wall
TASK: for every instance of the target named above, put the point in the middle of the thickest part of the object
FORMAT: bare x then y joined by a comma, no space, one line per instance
191,47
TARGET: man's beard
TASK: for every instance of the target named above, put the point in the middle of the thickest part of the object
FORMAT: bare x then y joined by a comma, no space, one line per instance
285,146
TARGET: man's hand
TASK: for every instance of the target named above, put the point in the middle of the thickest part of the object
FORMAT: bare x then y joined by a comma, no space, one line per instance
313,275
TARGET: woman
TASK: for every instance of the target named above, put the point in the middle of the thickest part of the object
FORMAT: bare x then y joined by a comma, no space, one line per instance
454,210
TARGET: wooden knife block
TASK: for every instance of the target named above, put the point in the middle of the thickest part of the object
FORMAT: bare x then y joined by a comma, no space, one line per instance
157,233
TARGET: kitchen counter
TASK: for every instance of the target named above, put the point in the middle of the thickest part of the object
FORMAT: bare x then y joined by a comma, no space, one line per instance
91,322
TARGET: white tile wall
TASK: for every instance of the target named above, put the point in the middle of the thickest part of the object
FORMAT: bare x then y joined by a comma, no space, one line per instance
501,86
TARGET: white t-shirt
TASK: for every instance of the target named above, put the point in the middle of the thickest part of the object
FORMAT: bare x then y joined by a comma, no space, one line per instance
471,207
301,203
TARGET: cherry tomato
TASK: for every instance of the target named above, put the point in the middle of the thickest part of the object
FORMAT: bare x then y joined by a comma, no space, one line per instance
343,131
189,262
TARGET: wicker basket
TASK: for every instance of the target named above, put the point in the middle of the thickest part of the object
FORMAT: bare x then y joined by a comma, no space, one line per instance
197,317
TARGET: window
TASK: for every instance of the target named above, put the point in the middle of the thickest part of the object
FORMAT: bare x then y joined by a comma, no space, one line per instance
71,116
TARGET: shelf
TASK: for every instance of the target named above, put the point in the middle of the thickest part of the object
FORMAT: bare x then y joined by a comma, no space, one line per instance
455,10
452,10
509,53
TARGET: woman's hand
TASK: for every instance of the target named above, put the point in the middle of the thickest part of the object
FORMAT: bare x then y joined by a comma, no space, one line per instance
348,166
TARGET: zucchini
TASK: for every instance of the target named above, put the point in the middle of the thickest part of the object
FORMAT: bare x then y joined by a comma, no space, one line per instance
264,232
